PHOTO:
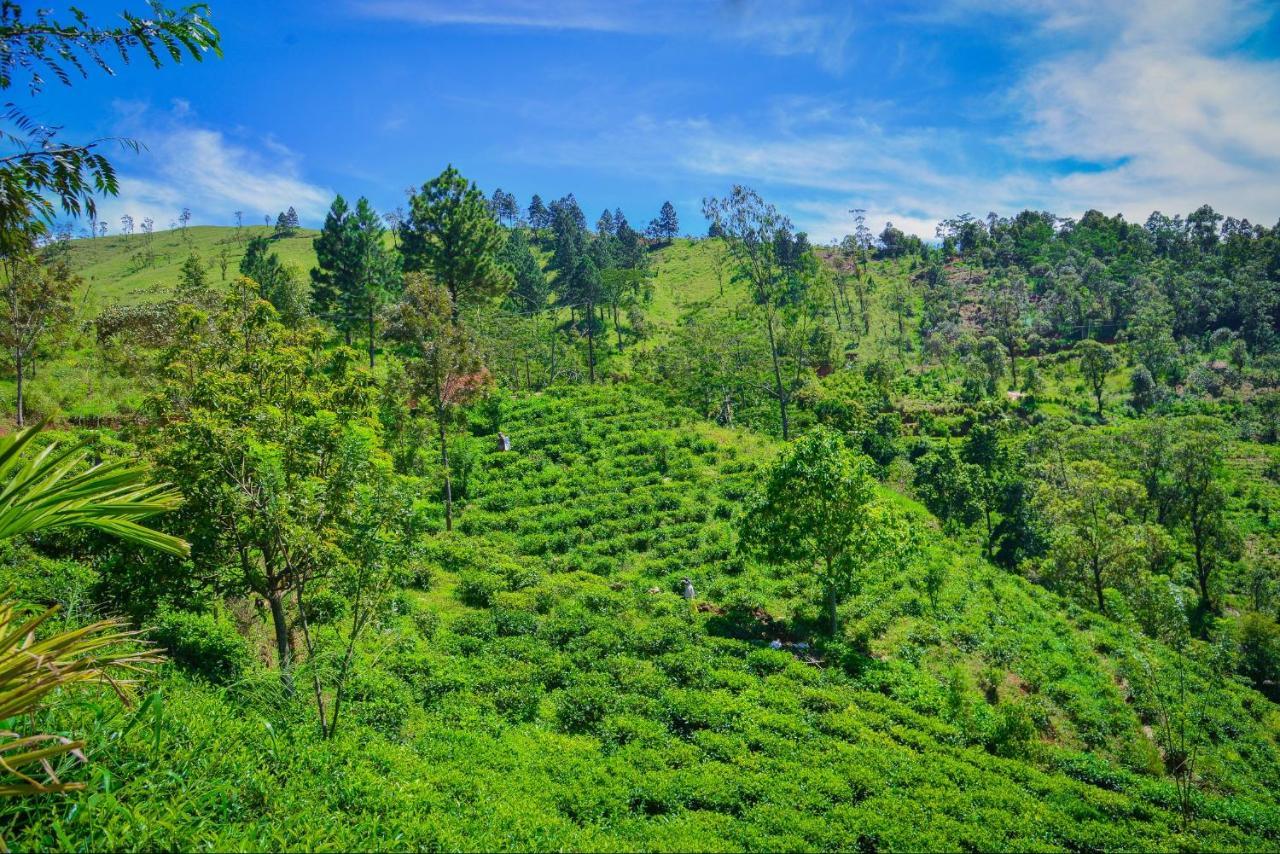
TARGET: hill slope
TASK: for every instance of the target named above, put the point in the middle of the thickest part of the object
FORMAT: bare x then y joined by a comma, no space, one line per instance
115,268
546,688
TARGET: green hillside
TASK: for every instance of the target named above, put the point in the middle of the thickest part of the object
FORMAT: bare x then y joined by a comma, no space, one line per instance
544,686
118,268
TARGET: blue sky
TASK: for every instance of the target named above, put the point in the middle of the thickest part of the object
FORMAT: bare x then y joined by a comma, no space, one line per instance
911,111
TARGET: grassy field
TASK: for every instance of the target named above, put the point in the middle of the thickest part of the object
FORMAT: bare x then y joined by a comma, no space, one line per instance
115,269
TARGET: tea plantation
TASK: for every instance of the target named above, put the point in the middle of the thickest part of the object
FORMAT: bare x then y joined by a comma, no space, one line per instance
544,686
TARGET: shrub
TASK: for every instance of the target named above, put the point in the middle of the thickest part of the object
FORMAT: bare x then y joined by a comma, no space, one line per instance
477,589
325,607
205,644
584,704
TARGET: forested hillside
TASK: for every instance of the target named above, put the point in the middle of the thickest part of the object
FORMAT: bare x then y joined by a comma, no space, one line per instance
478,524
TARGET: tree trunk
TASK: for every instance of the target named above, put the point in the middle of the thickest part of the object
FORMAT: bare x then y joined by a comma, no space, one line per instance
591,342
371,334
1202,574
448,480
17,362
777,378
832,604
986,512
835,304
1097,588
284,656
311,654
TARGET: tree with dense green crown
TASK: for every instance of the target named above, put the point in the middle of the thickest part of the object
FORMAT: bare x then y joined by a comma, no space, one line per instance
604,225
1096,362
537,213
666,227
278,283
1096,540
445,366
269,437
818,511
452,236
355,271
530,290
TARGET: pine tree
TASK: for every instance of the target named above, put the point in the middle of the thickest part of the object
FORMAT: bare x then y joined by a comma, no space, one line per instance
530,290
452,236
355,272
538,216
604,225
667,226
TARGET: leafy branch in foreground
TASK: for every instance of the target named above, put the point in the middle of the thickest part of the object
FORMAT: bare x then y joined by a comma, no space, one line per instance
42,170
49,490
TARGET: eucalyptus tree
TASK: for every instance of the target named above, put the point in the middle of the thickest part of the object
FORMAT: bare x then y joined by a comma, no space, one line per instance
751,228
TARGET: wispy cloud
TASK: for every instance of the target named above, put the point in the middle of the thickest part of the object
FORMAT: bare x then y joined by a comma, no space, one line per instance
777,27
186,164
562,15
1124,107
1162,98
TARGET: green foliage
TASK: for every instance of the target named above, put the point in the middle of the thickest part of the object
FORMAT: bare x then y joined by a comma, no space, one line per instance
452,235
206,644
816,511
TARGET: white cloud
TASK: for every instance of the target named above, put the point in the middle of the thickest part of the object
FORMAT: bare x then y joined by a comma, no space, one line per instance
185,164
778,27
562,15
1165,103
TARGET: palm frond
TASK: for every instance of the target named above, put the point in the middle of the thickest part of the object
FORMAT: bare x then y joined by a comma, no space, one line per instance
53,489
31,668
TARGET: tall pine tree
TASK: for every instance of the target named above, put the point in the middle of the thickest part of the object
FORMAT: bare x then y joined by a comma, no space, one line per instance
452,235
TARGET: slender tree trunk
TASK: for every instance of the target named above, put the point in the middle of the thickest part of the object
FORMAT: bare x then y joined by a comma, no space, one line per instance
17,362
835,304
832,605
617,327
370,334
1202,574
284,654
986,512
1097,587
311,655
777,378
591,342
448,479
